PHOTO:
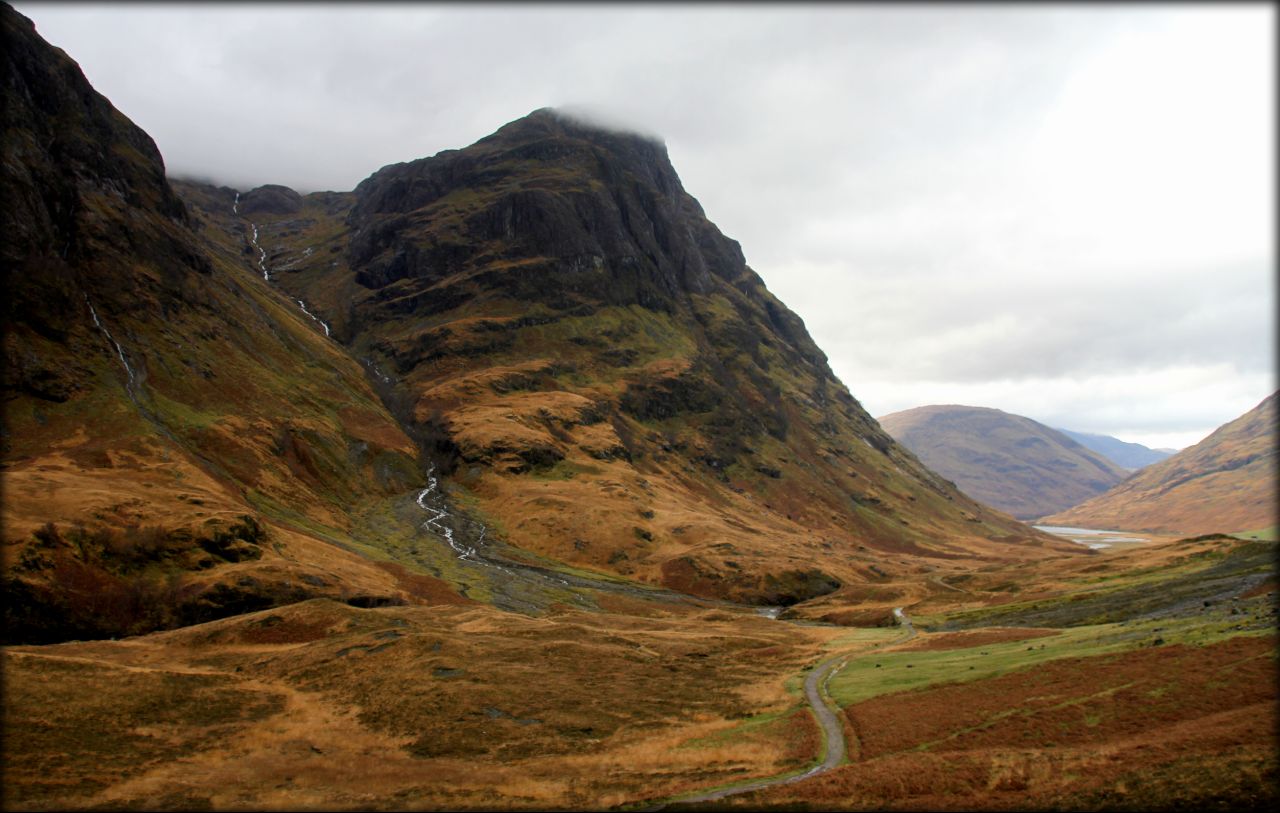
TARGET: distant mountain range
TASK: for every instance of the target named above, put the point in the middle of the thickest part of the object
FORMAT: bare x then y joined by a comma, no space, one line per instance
1131,456
1226,483
1006,461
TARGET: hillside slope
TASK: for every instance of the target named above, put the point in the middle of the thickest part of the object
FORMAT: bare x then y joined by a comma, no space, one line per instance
1131,456
1006,461
1226,483
610,384
172,426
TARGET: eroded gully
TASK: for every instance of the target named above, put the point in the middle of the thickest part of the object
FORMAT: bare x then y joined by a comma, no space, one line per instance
266,272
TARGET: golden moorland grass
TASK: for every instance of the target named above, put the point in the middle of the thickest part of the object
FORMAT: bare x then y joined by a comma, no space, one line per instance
330,705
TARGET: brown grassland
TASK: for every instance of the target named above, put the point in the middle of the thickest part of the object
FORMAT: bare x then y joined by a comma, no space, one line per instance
322,705
1145,729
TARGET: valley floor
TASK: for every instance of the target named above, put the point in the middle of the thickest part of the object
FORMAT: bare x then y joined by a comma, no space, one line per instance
321,705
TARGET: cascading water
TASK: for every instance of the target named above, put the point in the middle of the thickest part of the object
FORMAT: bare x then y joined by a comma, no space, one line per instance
303,305
119,350
266,272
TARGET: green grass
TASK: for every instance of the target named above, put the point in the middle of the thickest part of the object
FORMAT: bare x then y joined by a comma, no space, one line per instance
873,675
1198,576
1270,534
876,636
750,724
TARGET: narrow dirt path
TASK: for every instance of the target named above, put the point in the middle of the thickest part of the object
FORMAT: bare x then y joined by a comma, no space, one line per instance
827,714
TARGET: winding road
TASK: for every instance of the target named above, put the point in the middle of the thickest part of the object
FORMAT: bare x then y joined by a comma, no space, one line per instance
825,711
827,715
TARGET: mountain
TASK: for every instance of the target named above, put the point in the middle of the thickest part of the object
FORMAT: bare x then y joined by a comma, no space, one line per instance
217,402
1131,456
1006,461
610,385
172,426
1226,483
348,500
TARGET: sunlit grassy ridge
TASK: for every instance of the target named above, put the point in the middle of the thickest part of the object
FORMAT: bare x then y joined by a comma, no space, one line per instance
1223,484
889,672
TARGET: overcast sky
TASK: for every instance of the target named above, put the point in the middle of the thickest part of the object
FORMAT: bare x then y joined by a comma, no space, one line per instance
1064,212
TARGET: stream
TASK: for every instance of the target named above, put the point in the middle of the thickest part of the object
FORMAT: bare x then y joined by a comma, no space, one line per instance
266,272
119,350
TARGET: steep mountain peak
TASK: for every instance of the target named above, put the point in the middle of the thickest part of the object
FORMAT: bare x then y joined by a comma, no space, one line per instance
559,316
599,210
55,121
548,136
572,122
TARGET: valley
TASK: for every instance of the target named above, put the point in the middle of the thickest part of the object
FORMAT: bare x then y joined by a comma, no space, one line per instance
320,704
501,481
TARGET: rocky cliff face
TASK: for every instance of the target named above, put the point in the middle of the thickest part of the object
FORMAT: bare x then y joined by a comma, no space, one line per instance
86,216
164,412
610,384
602,214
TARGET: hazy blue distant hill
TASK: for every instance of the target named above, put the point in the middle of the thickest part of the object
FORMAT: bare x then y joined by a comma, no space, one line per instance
1122,453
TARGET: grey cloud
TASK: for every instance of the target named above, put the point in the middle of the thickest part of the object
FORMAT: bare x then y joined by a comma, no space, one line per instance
878,164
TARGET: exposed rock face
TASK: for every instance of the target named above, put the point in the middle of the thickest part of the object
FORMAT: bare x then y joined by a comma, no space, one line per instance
603,214
1226,483
84,200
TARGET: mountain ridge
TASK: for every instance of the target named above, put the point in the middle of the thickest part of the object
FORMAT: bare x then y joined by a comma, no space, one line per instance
550,298
1008,461
1226,483
218,401
1131,456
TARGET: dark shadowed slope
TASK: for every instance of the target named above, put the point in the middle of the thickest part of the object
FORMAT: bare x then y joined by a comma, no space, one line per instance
164,411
